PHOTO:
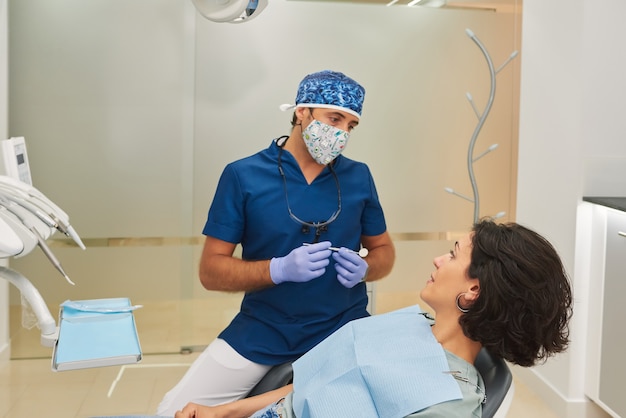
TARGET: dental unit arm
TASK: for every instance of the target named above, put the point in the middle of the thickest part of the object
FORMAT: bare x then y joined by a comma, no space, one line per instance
27,219
45,321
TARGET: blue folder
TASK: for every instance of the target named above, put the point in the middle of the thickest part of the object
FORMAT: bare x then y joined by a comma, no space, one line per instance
96,333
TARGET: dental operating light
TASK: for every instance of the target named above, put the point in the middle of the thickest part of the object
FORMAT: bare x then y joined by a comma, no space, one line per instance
231,11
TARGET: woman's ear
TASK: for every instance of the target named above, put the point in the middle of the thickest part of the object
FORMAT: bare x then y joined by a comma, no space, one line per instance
472,293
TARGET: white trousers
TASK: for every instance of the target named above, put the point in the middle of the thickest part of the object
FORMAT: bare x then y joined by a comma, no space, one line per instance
217,376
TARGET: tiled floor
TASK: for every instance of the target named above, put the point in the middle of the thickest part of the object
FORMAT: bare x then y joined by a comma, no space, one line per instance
28,387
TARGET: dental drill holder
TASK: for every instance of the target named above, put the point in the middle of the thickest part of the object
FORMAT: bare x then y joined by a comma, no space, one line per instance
27,219
95,333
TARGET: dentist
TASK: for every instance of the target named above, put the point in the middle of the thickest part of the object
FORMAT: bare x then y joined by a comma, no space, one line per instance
300,190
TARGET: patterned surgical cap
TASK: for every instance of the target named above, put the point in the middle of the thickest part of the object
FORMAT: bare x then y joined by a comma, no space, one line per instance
331,89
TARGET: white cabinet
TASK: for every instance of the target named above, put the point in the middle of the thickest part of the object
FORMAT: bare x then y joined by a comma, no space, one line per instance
606,365
613,346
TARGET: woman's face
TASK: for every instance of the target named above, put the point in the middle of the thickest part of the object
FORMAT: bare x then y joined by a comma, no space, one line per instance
450,277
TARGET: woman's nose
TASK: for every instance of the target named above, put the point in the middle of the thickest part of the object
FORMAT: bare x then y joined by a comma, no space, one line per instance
437,261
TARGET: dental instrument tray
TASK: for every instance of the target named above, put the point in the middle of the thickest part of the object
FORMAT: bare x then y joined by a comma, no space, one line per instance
96,333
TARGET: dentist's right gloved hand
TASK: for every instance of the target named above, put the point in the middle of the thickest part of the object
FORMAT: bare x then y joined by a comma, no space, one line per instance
302,264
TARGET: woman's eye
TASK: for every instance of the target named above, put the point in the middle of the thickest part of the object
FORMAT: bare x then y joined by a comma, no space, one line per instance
451,254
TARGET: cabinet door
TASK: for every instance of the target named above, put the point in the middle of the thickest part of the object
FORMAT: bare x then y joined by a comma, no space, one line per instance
612,365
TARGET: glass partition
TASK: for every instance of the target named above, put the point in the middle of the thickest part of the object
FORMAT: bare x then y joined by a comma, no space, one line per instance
128,131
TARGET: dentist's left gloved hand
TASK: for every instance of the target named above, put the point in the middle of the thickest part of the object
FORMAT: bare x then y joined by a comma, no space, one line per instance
351,268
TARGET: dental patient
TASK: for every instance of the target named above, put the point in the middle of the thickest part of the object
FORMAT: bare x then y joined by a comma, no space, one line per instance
502,287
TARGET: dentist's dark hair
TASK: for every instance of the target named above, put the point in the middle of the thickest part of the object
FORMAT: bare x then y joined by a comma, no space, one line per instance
525,301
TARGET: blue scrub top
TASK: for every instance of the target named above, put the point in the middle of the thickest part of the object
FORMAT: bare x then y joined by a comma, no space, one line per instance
282,322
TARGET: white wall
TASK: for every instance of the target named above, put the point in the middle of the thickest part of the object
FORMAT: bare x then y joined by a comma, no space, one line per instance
571,144
4,285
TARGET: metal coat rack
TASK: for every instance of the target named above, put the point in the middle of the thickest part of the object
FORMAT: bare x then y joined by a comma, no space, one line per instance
482,116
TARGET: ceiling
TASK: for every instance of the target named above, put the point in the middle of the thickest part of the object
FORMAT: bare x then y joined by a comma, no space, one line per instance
493,5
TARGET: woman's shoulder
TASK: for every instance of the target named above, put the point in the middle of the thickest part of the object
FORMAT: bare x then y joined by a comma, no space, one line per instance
473,390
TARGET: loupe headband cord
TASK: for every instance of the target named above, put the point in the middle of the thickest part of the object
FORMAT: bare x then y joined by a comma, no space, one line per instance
316,225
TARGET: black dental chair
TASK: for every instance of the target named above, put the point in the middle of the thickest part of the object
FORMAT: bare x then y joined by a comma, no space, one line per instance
498,384
277,377
495,372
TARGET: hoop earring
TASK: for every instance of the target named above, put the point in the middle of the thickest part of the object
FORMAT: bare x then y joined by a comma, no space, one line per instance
458,305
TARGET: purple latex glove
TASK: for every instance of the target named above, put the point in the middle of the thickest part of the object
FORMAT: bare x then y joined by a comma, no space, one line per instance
302,264
351,268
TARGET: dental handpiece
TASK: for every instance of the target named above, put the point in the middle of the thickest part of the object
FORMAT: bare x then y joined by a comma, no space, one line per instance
43,208
46,250
363,252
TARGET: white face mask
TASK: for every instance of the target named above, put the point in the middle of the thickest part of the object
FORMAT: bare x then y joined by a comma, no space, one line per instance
324,142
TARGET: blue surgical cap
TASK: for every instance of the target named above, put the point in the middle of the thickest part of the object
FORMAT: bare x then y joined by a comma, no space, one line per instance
333,90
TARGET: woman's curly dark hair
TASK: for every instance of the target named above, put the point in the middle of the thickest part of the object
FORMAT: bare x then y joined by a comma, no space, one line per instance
525,301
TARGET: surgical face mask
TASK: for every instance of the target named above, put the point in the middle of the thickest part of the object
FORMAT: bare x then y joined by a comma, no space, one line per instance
324,142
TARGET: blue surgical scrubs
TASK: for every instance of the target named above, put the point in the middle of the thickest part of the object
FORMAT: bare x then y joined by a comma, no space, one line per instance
280,323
